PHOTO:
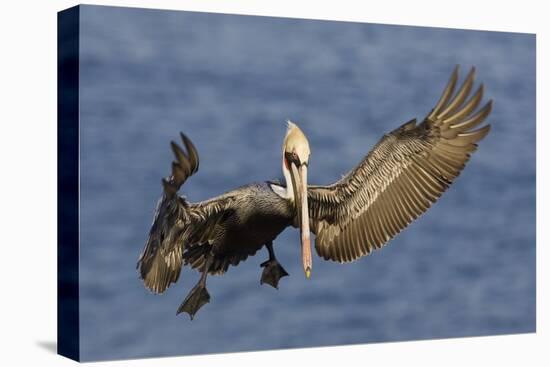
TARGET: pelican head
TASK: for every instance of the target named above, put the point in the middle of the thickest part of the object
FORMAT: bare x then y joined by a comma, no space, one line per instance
295,161
296,146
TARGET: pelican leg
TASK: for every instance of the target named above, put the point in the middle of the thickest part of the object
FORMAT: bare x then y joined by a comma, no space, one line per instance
273,271
198,296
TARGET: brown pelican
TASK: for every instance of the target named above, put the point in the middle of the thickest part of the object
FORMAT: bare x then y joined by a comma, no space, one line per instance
405,172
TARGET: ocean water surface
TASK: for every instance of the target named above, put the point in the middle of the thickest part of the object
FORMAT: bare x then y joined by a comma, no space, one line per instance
465,268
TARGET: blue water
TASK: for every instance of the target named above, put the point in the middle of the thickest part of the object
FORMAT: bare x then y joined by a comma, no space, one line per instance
465,268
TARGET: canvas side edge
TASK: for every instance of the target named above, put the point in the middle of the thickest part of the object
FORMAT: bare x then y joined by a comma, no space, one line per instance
68,322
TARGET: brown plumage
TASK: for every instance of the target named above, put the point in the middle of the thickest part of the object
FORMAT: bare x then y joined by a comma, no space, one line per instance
402,176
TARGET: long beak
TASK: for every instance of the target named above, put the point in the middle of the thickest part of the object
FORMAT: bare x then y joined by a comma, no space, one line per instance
299,183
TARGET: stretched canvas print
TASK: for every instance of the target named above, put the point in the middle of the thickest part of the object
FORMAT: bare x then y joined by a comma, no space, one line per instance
240,183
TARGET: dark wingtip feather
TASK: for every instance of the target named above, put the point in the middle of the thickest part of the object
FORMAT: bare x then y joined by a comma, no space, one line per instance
465,109
471,122
178,152
192,152
178,172
446,95
456,101
483,132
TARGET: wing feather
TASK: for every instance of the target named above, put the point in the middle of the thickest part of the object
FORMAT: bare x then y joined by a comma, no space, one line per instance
403,175
178,225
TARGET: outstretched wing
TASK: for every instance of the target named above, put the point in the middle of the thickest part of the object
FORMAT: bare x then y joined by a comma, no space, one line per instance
177,224
400,178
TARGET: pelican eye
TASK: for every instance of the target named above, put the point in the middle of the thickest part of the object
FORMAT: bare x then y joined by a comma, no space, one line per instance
292,157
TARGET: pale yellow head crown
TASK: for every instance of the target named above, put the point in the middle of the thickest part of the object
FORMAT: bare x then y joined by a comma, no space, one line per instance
296,141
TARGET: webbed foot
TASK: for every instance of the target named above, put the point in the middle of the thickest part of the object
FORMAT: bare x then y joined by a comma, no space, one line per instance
273,271
197,298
